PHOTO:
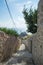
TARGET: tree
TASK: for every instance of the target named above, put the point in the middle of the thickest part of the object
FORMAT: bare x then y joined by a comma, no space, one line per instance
31,20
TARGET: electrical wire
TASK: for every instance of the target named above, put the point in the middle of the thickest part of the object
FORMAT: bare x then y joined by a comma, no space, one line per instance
10,12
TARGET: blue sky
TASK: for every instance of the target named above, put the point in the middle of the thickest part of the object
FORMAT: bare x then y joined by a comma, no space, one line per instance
16,8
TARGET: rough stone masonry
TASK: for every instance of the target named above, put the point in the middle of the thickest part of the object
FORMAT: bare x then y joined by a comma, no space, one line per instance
8,45
37,42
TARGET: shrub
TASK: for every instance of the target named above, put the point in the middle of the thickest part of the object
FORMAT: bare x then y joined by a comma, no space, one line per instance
9,31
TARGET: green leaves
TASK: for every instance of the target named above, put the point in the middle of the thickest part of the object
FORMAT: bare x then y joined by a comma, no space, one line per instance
9,31
31,19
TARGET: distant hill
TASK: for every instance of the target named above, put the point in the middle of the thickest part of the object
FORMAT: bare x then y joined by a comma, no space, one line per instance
23,34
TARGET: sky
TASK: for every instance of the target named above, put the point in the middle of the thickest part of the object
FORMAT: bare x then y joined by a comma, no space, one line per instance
16,8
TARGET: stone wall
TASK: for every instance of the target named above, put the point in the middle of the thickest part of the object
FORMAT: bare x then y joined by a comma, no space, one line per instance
37,42
8,45
27,42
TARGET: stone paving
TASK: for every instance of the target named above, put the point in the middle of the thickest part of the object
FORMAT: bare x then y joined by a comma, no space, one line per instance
22,57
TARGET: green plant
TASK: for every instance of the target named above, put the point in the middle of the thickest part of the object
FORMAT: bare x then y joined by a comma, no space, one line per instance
9,31
31,20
